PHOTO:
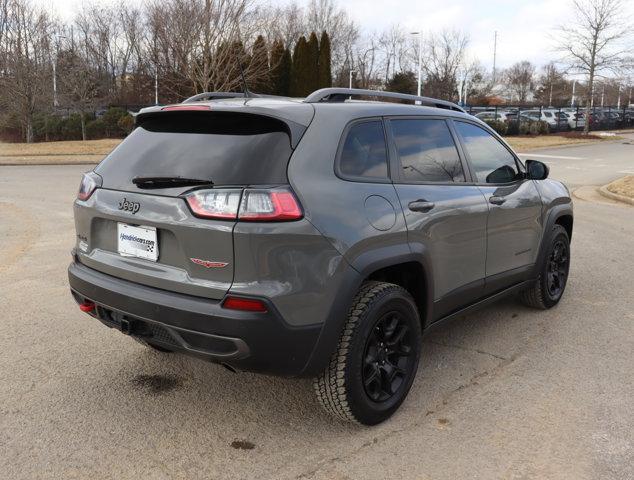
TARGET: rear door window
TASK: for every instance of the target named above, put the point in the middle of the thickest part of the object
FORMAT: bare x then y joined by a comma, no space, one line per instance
364,153
225,148
426,151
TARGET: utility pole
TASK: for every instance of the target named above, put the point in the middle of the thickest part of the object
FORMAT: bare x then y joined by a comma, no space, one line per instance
495,53
155,72
155,85
350,77
618,102
572,101
420,58
602,95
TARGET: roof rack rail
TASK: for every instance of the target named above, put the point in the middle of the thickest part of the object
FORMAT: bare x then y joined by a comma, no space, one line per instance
341,94
215,95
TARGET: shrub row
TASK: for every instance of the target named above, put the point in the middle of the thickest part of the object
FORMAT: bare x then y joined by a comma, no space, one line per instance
114,123
519,128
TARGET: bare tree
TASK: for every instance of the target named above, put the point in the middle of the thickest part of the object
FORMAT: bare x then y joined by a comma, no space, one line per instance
25,78
393,48
284,23
364,62
593,42
553,87
520,80
82,86
444,54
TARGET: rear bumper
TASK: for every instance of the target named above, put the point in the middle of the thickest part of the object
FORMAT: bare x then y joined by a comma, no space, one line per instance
259,342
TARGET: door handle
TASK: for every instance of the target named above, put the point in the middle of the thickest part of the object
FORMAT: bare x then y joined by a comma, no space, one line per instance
495,200
421,206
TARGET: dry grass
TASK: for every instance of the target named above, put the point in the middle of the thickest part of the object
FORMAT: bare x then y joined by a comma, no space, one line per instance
89,147
51,153
523,144
623,186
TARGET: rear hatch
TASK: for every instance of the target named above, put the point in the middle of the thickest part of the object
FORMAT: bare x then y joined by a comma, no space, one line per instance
139,226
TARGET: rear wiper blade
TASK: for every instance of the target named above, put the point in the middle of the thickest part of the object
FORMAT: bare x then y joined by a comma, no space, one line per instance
169,182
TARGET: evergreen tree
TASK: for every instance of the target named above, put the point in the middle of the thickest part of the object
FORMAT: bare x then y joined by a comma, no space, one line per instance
284,82
312,80
299,69
259,66
280,69
325,76
402,82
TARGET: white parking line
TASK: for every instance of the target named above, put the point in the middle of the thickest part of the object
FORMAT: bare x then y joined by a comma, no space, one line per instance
538,155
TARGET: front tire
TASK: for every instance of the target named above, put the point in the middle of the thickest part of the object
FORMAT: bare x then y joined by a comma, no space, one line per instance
551,282
374,365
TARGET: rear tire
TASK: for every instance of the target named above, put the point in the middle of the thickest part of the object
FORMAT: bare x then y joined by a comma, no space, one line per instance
551,282
375,362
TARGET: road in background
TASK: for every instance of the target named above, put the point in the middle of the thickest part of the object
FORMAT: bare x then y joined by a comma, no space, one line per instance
508,392
592,164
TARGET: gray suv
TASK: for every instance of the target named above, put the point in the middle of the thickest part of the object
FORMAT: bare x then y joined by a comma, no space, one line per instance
314,237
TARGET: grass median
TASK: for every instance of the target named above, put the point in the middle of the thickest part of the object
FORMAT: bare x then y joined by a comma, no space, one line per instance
56,153
623,186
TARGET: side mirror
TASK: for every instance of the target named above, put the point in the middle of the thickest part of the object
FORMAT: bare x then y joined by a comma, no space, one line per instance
536,170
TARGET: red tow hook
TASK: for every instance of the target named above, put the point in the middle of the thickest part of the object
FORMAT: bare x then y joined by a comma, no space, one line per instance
87,306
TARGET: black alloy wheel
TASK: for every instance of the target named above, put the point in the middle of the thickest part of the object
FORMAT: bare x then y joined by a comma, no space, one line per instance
387,360
557,270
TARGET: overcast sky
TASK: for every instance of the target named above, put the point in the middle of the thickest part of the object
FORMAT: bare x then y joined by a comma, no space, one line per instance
525,27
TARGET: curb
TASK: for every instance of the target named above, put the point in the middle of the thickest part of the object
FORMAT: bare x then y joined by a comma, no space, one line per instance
615,196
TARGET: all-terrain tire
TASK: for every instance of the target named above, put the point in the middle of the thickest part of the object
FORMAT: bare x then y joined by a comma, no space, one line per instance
340,388
538,294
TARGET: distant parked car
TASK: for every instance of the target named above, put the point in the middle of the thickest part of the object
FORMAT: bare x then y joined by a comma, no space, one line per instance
555,119
576,120
506,117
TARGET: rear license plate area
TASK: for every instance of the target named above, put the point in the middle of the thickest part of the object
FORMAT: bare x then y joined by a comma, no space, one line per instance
137,241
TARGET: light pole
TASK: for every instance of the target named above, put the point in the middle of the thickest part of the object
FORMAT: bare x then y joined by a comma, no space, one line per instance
55,52
420,58
572,100
350,77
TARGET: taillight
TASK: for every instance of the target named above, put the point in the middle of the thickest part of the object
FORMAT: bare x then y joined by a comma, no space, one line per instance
269,205
89,183
244,304
221,204
254,205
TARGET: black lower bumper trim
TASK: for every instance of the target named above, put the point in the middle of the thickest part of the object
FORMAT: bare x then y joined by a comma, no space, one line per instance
261,342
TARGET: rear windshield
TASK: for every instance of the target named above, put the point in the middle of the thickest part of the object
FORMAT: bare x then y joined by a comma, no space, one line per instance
225,148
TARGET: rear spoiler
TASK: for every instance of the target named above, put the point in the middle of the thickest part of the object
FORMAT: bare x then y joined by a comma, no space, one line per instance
295,130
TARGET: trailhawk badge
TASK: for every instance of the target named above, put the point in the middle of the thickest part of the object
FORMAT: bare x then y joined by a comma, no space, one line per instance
209,263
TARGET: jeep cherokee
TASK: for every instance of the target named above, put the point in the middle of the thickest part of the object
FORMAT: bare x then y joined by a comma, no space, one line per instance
314,237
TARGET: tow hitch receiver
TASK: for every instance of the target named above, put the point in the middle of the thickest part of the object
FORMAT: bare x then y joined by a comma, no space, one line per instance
126,327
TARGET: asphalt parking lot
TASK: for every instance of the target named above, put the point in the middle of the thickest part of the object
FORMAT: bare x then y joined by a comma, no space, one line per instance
508,393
